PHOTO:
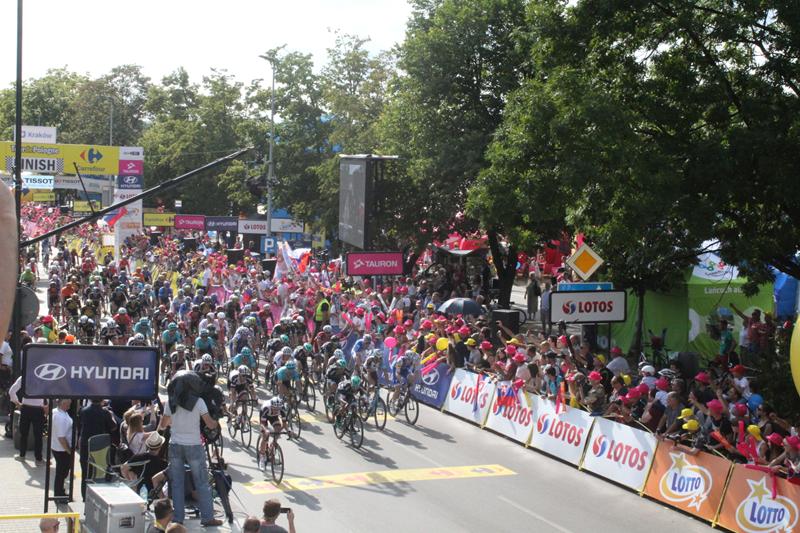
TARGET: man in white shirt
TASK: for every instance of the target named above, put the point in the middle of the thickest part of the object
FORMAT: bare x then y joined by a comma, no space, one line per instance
618,365
61,445
31,414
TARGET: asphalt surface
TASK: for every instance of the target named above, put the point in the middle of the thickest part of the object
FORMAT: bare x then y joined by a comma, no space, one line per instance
442,474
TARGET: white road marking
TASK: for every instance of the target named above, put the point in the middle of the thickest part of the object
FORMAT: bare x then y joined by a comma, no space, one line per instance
533,514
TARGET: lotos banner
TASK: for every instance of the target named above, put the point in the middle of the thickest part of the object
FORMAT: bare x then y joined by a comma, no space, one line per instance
620,453
749,507
692,483
432,387
511,413
470,396
563,434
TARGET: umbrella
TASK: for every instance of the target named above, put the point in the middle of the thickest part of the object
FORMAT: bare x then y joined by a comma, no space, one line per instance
460,306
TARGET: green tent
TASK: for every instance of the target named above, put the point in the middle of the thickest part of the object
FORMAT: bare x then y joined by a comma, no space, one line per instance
691,312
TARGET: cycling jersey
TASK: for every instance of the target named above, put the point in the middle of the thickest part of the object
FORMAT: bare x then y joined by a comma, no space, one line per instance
204,345
269,414
241,359
345,391
336,373
286,375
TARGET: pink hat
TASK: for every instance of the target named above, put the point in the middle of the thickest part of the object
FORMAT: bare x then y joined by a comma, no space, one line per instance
463,331
616,350
518,358
594,375
643,389
775,439
634,393
715,406
563,340
738,369
741,409
662,384
486,345
703,378
399,330
510,350
426,324
793,441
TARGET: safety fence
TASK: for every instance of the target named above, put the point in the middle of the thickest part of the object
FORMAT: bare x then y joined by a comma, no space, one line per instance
21,522
737,497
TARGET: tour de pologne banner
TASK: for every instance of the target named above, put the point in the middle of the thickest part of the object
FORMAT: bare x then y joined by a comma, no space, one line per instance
692,483
620,453
470,396
749,507
562,434
432,388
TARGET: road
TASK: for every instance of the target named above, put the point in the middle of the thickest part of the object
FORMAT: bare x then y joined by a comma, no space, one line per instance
442,474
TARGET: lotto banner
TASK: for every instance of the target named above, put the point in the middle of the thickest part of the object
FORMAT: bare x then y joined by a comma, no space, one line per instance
511,413
620,453
750,508
470,396
563,434
692,483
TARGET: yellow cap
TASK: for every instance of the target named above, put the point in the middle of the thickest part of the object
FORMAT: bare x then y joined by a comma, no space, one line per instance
686,413
471,342
755,431
514,341
626,379
691,425
601,358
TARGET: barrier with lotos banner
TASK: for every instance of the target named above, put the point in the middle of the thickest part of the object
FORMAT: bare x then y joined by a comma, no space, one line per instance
470,396
620,453
692,483
563,434
750,508
511,413
432,388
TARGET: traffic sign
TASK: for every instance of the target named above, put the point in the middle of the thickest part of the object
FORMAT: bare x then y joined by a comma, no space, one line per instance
268,245
591,286
584,261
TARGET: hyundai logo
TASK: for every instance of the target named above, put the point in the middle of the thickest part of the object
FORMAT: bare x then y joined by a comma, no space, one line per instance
50,372
130,180
431,378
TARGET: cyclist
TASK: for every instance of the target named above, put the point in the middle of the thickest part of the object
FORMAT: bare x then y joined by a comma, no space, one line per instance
240,383
177,359
205,367
360,349
244,358
243,337
143,327
53,300
272,417
336,373
346,394
137,340
72,306
204,344
323,336
86,330
109,332
370,368
27,278
301,354
170,338
402,373
123,320
285,375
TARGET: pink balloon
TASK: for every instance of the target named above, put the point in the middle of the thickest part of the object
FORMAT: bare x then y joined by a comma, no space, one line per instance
390,342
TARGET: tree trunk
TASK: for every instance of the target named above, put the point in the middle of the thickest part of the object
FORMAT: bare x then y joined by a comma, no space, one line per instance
636,346
506,267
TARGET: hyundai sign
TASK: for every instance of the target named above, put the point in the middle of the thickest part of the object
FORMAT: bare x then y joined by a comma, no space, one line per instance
375,264
108,372
588,307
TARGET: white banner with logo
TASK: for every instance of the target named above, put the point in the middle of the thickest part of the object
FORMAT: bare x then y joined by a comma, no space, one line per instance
511,413
470,396
620,453
563,434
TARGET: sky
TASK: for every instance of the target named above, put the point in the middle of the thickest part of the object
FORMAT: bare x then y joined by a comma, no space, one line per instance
92,36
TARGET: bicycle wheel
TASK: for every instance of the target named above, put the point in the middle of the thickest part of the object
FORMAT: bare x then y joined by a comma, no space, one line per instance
380,413
261,462
394,406
329,406
310,396
411,410
232,426
363,407
276,464
294,423
339,426
356,431
246,434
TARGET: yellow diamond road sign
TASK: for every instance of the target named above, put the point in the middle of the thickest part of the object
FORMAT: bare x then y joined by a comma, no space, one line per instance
584,261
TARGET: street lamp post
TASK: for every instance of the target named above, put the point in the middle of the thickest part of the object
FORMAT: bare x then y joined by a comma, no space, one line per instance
271,170
16,318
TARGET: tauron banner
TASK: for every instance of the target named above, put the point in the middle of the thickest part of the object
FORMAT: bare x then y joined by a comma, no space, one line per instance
62,371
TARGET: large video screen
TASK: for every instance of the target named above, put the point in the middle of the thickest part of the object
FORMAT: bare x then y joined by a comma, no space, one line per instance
352,201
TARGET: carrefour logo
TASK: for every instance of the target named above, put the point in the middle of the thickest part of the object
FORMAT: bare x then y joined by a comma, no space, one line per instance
619,452
50,372
559,429
759,513
569,307
685,482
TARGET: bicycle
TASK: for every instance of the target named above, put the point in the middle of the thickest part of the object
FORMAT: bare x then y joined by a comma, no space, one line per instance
374,406
407,403
307,393
240,422
350,422
274,457
293,417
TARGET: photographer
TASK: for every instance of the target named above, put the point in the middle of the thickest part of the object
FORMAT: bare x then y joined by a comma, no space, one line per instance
272,509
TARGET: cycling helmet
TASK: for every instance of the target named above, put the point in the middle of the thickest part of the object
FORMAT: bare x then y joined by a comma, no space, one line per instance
84,319
144,321
327,329
367,337
355,381
204,333
206,359
409,353
291,365
307,347
286,350
111,324
246,351
210,316
138,337
180,347
285,339
220,315
244,371
342,363
276,402
172,326
338,353
122,311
